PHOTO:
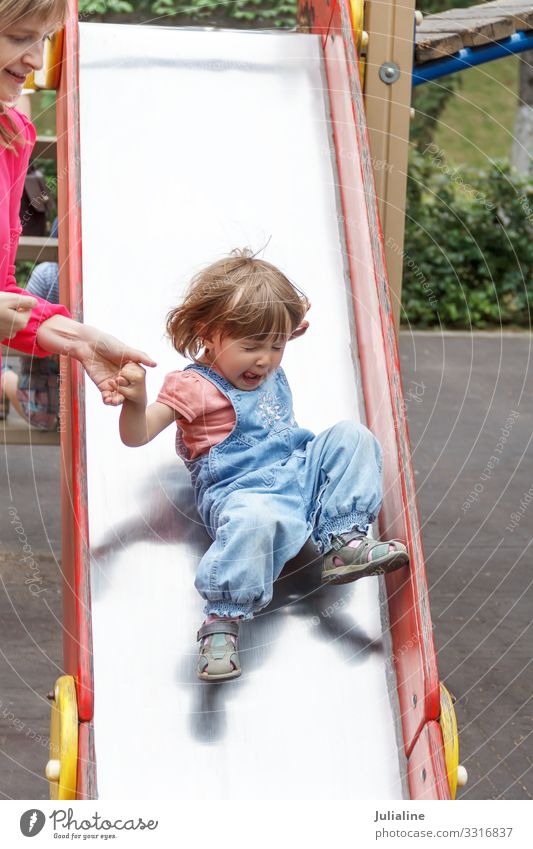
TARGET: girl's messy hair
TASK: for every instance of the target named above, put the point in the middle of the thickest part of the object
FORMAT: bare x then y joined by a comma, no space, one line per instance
12,12
238,296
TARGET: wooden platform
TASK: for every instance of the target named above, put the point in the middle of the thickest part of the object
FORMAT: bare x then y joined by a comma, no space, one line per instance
447,32
15,431
37,249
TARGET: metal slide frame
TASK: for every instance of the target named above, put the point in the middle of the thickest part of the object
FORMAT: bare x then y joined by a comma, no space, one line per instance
411,629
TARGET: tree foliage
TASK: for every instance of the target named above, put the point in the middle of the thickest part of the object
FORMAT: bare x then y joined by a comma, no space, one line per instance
276,13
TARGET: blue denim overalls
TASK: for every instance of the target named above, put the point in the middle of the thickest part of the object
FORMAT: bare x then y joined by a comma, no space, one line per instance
269,486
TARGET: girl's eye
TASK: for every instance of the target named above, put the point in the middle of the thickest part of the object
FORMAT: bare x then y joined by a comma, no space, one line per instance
27,39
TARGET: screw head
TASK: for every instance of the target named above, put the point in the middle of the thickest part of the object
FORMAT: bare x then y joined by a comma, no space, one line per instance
389,72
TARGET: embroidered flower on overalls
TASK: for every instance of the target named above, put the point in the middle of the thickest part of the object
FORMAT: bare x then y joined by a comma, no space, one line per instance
269,409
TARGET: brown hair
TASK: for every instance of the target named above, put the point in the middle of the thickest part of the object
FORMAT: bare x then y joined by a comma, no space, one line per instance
13,12
238,296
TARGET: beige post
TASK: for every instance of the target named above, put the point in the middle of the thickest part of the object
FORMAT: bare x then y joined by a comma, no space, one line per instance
390,27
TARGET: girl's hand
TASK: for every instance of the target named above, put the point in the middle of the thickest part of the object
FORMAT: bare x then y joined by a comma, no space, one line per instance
101,355
131,383
15,311
102,359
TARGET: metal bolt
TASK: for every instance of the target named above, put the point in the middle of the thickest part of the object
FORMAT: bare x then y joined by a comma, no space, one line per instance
389,72
423,774
415,700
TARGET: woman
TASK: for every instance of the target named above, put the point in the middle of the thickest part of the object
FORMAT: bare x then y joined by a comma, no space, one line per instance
31,324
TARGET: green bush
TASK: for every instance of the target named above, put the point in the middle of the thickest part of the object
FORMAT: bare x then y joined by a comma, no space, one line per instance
277,13
468,256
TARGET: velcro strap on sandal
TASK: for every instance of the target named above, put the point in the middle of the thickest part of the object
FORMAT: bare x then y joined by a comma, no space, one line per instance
219,626
338,542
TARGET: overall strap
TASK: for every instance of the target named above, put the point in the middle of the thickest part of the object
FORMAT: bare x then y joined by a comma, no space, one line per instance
210,374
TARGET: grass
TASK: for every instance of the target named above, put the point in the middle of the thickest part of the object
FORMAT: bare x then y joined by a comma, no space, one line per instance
478,121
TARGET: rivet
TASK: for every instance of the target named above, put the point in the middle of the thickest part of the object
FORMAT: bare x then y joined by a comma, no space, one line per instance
423,774
415,700
389,72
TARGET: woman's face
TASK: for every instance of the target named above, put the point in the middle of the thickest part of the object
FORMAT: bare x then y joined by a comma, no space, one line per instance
21,51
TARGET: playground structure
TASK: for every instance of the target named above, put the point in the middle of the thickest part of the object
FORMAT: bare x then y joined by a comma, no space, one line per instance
99,704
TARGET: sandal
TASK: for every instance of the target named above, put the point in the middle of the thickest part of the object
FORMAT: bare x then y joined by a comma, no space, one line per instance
345,563
219,659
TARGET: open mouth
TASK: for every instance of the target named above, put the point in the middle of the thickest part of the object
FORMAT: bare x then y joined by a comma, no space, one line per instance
19,78
251,376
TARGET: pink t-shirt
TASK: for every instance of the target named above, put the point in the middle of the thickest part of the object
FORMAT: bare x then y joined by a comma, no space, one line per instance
13,169
206,416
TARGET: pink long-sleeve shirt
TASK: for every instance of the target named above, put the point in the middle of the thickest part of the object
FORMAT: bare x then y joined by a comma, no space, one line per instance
12,174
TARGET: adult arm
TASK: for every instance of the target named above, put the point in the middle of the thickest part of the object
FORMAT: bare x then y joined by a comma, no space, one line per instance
101,355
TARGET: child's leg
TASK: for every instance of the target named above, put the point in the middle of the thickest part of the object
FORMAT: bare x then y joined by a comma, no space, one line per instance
258,531
343,481
10,381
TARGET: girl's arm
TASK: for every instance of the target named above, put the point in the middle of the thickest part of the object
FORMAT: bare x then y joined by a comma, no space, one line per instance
138,423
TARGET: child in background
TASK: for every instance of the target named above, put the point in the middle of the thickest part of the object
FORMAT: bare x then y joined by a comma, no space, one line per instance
263,485
33,388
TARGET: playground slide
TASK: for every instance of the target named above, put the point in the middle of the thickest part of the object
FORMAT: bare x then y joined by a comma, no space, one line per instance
181,145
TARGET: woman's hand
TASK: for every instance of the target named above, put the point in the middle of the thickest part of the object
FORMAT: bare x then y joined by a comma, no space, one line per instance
15,311
104,360
101,355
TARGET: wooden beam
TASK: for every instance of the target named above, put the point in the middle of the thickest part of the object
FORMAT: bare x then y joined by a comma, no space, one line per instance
37,249
390,27
45,148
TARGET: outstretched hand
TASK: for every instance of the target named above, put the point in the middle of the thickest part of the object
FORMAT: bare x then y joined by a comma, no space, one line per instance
103,358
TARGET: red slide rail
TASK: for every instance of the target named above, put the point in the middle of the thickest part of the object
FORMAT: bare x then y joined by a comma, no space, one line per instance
411,628
77,630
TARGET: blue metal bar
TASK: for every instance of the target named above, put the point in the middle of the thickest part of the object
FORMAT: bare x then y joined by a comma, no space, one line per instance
468,57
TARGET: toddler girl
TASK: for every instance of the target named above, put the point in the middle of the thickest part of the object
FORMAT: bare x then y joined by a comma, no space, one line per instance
263,485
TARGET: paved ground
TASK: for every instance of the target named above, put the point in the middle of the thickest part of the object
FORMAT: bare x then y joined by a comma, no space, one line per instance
469,406
471,425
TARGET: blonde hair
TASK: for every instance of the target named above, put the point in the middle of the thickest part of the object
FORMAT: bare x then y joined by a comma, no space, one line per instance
11,13
238,296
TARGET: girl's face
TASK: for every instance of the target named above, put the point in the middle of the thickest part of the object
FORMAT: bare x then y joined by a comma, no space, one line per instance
21,51
245,363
